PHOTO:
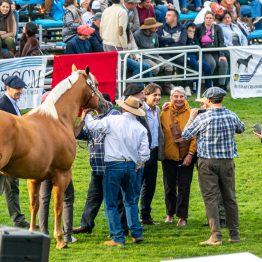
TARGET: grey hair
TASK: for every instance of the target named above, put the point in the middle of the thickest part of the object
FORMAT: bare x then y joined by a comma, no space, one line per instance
179,89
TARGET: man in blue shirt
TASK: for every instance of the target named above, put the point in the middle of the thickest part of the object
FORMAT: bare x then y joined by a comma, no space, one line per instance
215,130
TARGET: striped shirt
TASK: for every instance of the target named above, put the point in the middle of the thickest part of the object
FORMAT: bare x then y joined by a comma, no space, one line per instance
96,144
215,130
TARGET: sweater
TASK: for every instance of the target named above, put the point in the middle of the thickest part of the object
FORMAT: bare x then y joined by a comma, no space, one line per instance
113,33
78,46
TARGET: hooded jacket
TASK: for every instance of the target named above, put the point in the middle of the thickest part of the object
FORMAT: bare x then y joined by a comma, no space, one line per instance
181,116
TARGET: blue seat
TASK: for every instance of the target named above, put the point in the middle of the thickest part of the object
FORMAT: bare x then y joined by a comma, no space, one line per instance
29,2
255,34
49,23
188,16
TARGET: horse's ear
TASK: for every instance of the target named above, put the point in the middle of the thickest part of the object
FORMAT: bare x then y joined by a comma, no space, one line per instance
74,69
87,70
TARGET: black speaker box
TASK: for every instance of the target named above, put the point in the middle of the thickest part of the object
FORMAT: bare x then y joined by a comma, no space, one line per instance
22,245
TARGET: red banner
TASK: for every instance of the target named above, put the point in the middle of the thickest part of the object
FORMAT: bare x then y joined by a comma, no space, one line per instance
102,66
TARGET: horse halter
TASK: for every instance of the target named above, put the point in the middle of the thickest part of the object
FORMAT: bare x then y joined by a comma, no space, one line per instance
93,87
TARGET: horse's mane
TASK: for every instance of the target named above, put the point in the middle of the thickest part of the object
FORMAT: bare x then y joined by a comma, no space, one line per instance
48,106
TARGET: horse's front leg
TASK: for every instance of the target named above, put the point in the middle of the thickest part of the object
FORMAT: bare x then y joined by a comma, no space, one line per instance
33,190
60,183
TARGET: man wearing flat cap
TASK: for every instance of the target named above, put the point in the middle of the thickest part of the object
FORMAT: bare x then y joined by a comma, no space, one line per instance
126,150
8,103
215,130
133,19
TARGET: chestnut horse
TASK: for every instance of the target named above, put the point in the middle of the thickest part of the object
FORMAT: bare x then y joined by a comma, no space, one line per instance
41,144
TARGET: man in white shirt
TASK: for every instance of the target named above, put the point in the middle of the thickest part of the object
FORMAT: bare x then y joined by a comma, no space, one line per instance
126,150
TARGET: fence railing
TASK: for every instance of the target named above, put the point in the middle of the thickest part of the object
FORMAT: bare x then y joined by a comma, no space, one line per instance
156,54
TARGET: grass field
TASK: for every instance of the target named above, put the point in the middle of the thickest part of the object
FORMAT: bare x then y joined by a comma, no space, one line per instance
164,241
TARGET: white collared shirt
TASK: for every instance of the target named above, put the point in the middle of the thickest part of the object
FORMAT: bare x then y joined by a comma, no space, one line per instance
14,103
126,139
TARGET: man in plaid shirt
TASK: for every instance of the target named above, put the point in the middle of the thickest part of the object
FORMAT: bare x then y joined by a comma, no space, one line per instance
94,199
215,130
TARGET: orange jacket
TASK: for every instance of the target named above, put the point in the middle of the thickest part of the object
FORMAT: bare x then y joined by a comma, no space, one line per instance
171,149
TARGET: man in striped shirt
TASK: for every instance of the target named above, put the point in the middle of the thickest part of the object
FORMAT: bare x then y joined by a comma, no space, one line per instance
215,130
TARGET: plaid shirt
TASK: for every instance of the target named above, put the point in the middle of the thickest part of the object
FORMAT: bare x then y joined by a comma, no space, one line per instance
215,131
96,144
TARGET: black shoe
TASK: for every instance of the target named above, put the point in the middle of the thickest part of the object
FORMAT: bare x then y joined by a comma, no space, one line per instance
82,230
22,224
222,223
148,221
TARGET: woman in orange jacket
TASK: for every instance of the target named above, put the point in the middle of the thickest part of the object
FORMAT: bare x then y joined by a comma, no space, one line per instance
178,162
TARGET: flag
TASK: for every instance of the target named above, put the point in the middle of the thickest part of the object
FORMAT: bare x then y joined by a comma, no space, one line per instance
102,66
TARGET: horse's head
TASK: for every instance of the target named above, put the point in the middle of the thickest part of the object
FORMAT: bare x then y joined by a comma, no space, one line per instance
92,96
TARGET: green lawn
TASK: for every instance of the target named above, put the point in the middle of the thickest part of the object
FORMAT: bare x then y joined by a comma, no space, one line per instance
164,241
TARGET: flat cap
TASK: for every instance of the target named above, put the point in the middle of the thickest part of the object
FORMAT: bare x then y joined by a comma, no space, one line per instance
214,92
133,1
132,90
14,82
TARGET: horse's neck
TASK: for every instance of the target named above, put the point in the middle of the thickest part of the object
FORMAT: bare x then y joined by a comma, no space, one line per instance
68,106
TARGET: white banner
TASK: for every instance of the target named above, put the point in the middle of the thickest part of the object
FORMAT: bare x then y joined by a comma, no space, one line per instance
32,70
246,72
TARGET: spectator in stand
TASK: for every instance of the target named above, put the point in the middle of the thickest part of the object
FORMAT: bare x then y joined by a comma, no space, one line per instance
192,58
147,38
233,7
84,5
82,43
145,10
172,33
178,164
96,38
113,27
153,96
210,35
251,8
214,7
29,44
133,19
8,27
183,6
103,5
71,19
161,8
88,16
233,36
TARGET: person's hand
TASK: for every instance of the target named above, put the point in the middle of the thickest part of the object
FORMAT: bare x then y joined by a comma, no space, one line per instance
258,135
165,106
187,160
222,58
193,113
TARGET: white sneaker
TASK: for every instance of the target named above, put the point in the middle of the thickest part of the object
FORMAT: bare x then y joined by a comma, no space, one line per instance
72,240
188,91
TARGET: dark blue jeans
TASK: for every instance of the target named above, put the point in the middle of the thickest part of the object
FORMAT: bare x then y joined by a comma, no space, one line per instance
193,62
121,176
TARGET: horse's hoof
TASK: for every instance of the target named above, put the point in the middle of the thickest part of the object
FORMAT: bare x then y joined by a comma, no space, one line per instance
62,245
